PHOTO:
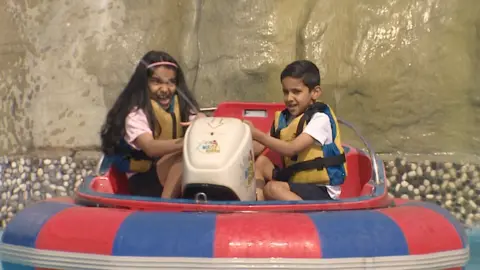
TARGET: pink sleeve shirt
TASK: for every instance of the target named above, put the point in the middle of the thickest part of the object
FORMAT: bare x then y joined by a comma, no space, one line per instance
136,124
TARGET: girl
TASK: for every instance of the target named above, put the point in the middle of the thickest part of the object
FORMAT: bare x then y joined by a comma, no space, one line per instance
143,129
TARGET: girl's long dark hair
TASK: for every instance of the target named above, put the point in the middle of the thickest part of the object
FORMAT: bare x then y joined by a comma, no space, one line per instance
136,95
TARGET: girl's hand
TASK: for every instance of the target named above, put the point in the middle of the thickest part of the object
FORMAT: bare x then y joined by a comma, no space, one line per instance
201,115
195,116
192,118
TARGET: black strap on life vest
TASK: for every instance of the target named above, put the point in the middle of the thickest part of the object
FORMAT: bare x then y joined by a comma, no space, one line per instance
284,174
274,132
129,152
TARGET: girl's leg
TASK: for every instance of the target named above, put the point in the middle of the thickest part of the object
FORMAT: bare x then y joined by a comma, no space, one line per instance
263,172
164,164
173,177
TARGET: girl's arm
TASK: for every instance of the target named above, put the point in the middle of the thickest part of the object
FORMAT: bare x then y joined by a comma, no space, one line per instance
139,135
157,148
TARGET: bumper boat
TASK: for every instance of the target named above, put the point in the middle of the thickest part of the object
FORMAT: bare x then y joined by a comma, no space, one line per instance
103,227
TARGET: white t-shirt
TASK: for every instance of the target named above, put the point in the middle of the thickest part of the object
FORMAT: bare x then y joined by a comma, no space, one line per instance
320,130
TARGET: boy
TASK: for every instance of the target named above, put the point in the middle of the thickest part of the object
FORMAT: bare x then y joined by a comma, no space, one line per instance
306,135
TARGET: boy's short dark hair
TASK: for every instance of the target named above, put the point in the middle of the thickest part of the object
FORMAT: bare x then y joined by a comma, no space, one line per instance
305,70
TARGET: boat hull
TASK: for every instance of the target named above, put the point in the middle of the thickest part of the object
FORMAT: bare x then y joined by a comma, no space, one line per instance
61,234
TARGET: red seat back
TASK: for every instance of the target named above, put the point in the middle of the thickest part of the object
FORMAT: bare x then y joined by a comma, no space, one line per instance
359,172
113,182
118,180
262,115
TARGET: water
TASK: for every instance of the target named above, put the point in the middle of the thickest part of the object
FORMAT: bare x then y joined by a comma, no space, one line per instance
474,238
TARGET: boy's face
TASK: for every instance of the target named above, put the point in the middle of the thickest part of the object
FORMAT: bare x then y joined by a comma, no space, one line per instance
297,96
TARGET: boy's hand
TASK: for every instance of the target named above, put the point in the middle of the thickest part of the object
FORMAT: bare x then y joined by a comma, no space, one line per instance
252,127
255,131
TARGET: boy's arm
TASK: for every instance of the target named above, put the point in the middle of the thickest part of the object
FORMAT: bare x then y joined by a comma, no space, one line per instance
289,149
318,129
258,148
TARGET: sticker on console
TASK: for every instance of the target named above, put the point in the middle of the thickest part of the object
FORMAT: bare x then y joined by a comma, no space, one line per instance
209,147
251,168
248,164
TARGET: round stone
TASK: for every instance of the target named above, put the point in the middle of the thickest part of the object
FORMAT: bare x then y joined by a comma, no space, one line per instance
36,186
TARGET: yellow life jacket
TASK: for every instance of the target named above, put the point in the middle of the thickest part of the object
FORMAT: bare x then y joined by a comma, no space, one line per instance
169,122
168,127
318,164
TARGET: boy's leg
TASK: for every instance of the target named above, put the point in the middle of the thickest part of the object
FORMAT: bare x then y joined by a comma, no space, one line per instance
309,192
275,190
257,148
263,172
263,168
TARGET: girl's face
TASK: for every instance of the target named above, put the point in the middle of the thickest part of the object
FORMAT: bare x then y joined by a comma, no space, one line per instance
162,85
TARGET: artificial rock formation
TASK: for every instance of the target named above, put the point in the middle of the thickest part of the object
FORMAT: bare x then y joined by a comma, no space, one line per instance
401,70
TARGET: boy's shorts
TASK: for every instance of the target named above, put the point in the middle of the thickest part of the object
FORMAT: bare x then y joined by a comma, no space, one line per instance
145,184
308,192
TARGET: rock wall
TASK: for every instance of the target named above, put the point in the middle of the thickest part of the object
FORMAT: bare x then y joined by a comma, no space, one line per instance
401,70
